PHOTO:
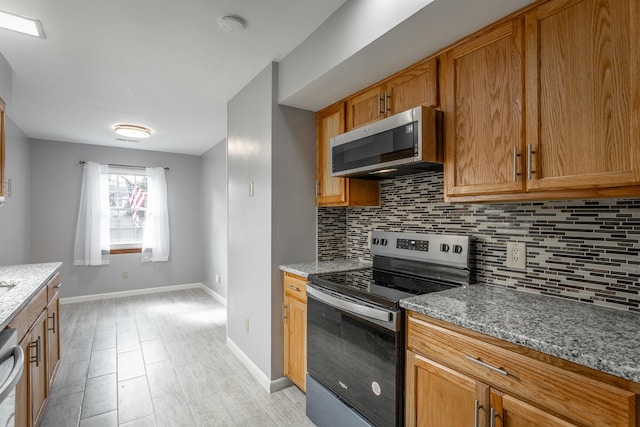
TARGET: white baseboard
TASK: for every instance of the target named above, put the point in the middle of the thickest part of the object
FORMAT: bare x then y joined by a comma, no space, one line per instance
269,385
133,292
222,300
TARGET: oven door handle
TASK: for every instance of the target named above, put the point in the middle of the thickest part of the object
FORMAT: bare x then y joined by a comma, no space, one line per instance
373,313
16,372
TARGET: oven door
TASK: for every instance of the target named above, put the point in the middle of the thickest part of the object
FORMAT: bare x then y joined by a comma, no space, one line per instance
355,349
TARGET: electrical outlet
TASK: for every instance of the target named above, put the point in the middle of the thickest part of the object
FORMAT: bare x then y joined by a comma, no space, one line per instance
217,278
517,255
369,238
125,274
246,325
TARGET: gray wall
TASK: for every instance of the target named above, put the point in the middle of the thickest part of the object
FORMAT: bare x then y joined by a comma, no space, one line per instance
55,191
214,218
275,148
14,216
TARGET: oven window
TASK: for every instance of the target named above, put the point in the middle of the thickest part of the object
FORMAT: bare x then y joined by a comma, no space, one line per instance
359,361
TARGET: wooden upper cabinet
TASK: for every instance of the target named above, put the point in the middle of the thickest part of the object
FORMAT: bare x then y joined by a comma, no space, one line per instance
330,122
366,107
414,87
338,191
483,112
409,88
583,94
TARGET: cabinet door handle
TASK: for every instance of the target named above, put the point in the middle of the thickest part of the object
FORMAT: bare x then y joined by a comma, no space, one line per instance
515,163
492,423
35,358
53,318
293,288
379,106
486,365
529,159
386,103
476,418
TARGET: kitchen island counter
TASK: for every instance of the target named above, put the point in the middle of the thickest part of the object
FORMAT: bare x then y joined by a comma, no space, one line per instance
27,279
600,338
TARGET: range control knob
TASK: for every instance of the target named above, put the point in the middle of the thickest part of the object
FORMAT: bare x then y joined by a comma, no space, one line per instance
444,247
383,242
376,240
457,249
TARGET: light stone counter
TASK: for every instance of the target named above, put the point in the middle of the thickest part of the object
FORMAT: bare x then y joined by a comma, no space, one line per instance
28,280
601,338
316,267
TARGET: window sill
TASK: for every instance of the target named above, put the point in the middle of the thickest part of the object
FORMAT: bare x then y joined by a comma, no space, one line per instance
125,251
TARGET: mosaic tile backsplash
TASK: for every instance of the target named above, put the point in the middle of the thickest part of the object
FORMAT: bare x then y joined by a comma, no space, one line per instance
586,250
332,234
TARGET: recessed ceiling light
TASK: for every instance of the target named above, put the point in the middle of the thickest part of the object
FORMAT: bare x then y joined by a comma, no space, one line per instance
231,23
23,25
132,131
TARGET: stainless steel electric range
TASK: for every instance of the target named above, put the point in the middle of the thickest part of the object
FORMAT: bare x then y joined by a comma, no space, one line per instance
355,326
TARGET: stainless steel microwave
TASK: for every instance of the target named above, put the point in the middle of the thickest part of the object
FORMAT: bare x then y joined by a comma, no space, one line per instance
405,143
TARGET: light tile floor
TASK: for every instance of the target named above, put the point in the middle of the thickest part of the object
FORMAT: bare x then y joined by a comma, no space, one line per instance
158,360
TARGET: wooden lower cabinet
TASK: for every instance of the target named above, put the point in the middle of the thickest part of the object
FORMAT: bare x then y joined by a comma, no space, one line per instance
456,377
38,327
295,329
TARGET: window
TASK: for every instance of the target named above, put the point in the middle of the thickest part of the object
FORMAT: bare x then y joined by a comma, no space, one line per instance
127,210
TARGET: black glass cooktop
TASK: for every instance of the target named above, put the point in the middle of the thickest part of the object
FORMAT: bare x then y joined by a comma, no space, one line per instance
378,286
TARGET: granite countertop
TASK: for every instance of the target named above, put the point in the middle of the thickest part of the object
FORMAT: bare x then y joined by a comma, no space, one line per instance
28,279
601,338
315,267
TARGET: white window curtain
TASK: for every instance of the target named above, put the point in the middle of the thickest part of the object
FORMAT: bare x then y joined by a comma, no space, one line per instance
155,240
92,243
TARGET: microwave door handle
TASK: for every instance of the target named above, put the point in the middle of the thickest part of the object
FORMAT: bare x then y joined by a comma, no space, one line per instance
352,307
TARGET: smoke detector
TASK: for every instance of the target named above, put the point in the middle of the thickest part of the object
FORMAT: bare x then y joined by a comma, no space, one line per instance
231,23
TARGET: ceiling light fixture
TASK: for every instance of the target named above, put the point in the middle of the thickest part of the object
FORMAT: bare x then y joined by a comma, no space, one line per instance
23,25
231,23
132,131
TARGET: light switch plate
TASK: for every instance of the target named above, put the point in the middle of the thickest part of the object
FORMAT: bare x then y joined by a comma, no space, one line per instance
517,255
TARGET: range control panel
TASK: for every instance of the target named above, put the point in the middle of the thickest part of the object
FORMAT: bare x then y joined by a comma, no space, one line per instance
445,249
413,244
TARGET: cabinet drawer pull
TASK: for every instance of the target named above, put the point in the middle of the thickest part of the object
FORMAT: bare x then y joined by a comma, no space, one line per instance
486,365
53,318
529,157
476,418
293,288
515,164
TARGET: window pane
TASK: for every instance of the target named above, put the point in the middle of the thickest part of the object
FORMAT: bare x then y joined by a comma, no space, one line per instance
128,202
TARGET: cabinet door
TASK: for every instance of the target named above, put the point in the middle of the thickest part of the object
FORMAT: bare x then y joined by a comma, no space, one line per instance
483,104
418,86
441,397
23,417
38,382
330,122
512,412
366,107
583,94
53,337
295,342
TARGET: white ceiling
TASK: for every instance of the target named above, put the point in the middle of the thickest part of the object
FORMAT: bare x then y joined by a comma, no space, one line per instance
166,64
163,64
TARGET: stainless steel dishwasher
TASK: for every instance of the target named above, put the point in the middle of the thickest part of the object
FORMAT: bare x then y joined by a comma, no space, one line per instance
11,367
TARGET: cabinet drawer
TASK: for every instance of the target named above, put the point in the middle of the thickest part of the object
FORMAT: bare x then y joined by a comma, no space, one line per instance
295,287
52,286
563,392
23,320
